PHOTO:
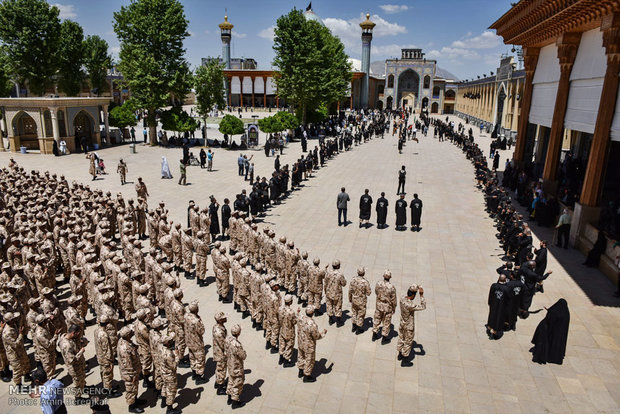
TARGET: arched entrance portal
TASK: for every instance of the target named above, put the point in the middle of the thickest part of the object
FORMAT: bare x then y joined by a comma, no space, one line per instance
25,131
83,130
408,88
388,103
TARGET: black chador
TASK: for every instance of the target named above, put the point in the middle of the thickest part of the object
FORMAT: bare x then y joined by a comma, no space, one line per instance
551,335
401,212
365,206
498,306
416,212
514,289
382,208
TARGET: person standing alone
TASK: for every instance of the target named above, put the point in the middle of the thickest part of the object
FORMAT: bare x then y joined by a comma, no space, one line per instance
401,180
341,203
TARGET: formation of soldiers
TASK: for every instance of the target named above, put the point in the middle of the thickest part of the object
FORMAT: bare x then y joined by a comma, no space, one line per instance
60,239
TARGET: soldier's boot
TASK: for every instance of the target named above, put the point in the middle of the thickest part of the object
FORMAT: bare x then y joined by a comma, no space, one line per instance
236,306
340,322
201,379
375,336
184,362
359,330
300,373
385,340
406,362
288,364
267,345
274,349
133,408
146,383
221,389
281,360
353,327
309,378
245,314
400,356
237,404
28,377
163,401
170,410
229,400
194,375
6,375
331,320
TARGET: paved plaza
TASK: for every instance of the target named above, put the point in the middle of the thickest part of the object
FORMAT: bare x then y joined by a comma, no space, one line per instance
456,367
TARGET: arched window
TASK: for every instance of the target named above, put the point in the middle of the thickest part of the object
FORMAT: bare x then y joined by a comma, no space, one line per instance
436,91
427,82
450,94
390,81
434,108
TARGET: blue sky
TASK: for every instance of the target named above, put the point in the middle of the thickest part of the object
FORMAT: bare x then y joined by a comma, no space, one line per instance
454,32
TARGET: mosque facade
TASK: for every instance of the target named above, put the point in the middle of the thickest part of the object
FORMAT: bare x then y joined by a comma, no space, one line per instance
411,82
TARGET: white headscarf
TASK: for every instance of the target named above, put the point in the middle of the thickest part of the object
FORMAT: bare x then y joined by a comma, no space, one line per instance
165,169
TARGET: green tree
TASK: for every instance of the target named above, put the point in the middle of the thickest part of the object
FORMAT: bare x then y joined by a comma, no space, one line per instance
312,67
97,61
209,87
151,34
5,78
70,58
231,125
123,116
176,119
30,32
287,120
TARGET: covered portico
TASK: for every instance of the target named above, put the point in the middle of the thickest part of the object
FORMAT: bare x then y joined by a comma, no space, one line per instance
35,123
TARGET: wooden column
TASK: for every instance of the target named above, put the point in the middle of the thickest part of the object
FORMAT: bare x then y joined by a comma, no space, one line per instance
229,80
253,79
593,181
264,92
530,59
241,89
568,44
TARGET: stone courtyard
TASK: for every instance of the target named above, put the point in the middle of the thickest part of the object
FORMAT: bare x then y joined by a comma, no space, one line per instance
454,257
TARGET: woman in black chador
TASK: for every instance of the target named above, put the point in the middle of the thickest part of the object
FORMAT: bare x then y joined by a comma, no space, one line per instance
551,335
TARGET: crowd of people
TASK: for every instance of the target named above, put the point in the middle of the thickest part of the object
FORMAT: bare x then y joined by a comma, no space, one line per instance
524,269
73,257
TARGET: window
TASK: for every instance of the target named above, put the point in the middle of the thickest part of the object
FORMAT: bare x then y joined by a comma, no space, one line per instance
390,81
427,82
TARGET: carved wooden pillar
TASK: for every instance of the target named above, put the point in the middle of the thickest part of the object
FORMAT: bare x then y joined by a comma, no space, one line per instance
241,89
264,92
530,59
253,79
568,44
593,181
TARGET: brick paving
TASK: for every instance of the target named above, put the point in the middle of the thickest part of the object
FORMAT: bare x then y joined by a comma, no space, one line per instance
453,257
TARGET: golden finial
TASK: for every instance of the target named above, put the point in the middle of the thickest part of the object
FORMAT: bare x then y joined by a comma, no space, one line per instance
367,24
226,25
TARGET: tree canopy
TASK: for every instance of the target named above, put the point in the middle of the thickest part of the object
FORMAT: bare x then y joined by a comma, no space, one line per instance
151,35
5,79
30,31
231,125
176,119
96,61
278,122
70,58
312,67
209,87
123,116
